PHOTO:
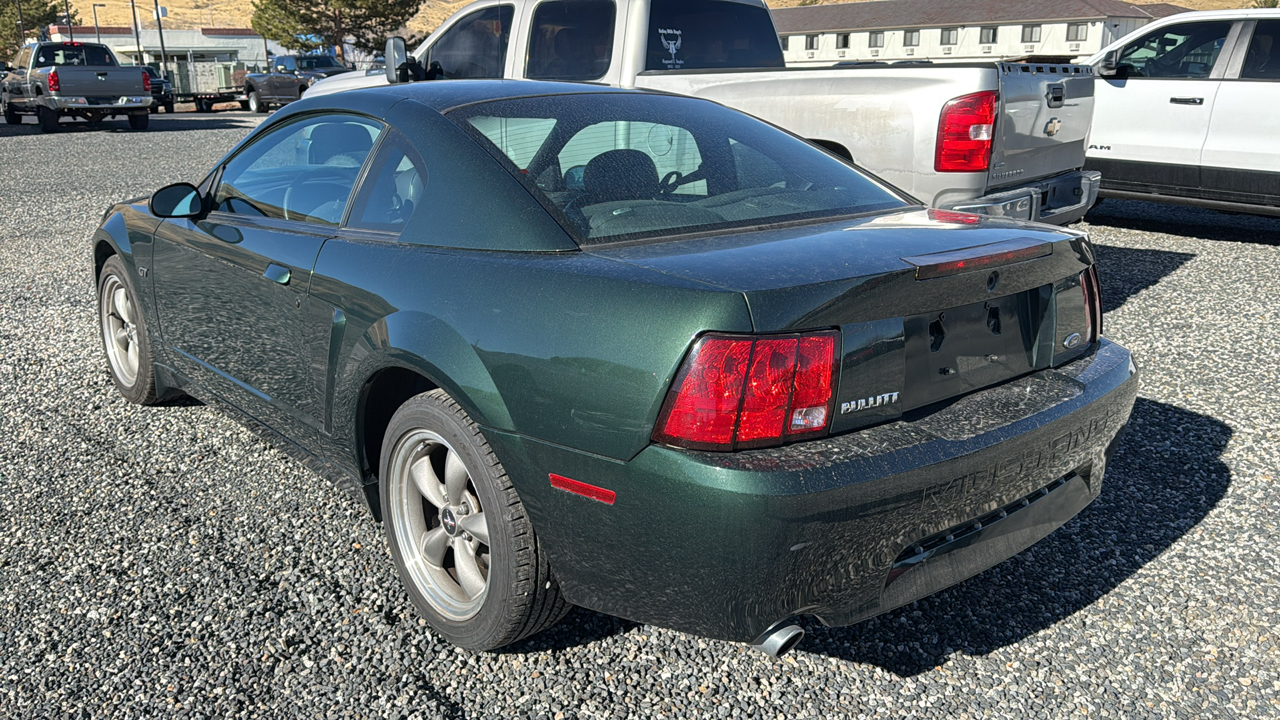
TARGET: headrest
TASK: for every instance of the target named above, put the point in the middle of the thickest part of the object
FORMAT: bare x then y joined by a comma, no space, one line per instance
333,139
620,175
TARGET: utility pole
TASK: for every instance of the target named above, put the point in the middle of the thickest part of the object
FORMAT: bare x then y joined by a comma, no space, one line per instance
164,60
97,33
70,27
22,28
137,36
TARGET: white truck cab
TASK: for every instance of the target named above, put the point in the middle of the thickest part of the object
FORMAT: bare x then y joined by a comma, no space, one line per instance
1186,112
1002,139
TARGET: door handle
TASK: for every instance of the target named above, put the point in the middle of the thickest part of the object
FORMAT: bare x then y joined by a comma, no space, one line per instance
277,273
1186,101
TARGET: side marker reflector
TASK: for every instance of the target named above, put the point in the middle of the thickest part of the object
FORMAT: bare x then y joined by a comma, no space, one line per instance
584,489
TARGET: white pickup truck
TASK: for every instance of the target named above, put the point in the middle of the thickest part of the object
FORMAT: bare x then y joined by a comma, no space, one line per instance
1002,139
1206,86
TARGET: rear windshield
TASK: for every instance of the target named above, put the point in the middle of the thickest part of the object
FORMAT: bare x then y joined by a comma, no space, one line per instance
612,167
710,34
73,54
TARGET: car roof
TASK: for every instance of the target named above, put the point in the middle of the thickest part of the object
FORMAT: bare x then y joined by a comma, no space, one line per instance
445,95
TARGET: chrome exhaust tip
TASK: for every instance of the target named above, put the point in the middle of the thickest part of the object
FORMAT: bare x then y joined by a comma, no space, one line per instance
779,640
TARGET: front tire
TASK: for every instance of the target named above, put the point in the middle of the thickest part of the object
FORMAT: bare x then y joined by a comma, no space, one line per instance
255,102
168,107
124,335
11,116
48,119
140,121
458,532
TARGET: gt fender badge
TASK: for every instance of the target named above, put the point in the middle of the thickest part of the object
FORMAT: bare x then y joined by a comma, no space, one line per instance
867,403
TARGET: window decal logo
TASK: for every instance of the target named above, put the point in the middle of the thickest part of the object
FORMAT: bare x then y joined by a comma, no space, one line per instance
672,45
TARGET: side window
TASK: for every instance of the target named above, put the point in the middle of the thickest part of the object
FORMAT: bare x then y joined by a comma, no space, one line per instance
476,46
24,58
1262,62
1188,50
571,40
394,188
286,64
303,171
609,153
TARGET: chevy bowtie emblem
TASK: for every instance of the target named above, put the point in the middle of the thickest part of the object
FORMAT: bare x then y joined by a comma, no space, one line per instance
1052,127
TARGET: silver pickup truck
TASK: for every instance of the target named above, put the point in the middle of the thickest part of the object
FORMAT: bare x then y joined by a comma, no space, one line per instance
995,138
53,80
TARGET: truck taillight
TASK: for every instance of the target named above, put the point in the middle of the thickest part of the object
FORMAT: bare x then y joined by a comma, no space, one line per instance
965,132
146,82
736,392
1092,301
54,84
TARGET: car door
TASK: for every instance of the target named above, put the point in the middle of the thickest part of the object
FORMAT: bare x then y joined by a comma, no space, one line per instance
231,288
1241,161
15,83
476,45
282,78
1150,119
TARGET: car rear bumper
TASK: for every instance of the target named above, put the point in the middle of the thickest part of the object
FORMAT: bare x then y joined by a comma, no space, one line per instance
726,545
97,105
1058,200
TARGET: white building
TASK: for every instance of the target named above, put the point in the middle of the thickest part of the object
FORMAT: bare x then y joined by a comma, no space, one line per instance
234,45
893,30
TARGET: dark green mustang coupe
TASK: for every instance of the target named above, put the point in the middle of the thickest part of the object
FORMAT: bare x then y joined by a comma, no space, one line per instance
629,351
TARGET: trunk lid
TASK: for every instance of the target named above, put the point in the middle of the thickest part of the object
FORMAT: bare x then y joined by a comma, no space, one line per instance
100,81
1043,121
916,327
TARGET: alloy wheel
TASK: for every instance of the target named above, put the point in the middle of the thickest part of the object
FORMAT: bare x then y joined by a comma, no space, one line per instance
439,524
119,330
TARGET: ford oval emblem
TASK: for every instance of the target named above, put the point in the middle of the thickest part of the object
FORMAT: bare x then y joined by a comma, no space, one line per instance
1072,341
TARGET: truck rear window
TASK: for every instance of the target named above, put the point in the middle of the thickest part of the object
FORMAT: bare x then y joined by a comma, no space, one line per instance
73,54
710,34
611,167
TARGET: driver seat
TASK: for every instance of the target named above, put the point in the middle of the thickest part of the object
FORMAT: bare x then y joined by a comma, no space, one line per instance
620,175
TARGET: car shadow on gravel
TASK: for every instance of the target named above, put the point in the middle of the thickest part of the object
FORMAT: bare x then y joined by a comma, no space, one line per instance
1125,272
1185,221
1166,476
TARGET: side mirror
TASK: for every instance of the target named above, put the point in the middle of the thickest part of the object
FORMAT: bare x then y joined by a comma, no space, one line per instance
1107,66
397,60
280,69
180,200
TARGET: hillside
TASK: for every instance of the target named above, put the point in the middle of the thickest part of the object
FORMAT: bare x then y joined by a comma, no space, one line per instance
236,13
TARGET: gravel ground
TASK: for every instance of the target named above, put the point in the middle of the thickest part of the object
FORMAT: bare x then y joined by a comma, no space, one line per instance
165,561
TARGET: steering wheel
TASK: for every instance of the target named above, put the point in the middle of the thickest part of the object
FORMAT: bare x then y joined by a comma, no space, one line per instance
670,182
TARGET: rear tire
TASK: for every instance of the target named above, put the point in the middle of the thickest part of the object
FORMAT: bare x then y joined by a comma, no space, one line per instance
48,119
124,335
168,107
139,121
459,535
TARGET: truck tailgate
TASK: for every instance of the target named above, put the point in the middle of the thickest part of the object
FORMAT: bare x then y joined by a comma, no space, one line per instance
1043,126
99,82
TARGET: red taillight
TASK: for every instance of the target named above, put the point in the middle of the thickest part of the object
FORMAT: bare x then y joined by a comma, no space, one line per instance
146,82
965,131
739,392
1092,302
54,84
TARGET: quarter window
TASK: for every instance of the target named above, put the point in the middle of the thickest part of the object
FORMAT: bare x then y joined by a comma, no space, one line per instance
394,188
988,35
571,40
911,38
876,40
1030,33
1188,50
1262,62
476,46
950,36
1077,32
302,171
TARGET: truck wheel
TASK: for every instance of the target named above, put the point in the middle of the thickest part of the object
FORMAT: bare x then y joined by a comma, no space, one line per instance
459,535
255,102
11,116
168,107
48,119
139,121
124,335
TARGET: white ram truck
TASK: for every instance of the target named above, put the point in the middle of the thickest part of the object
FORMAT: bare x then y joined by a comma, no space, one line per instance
996,138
